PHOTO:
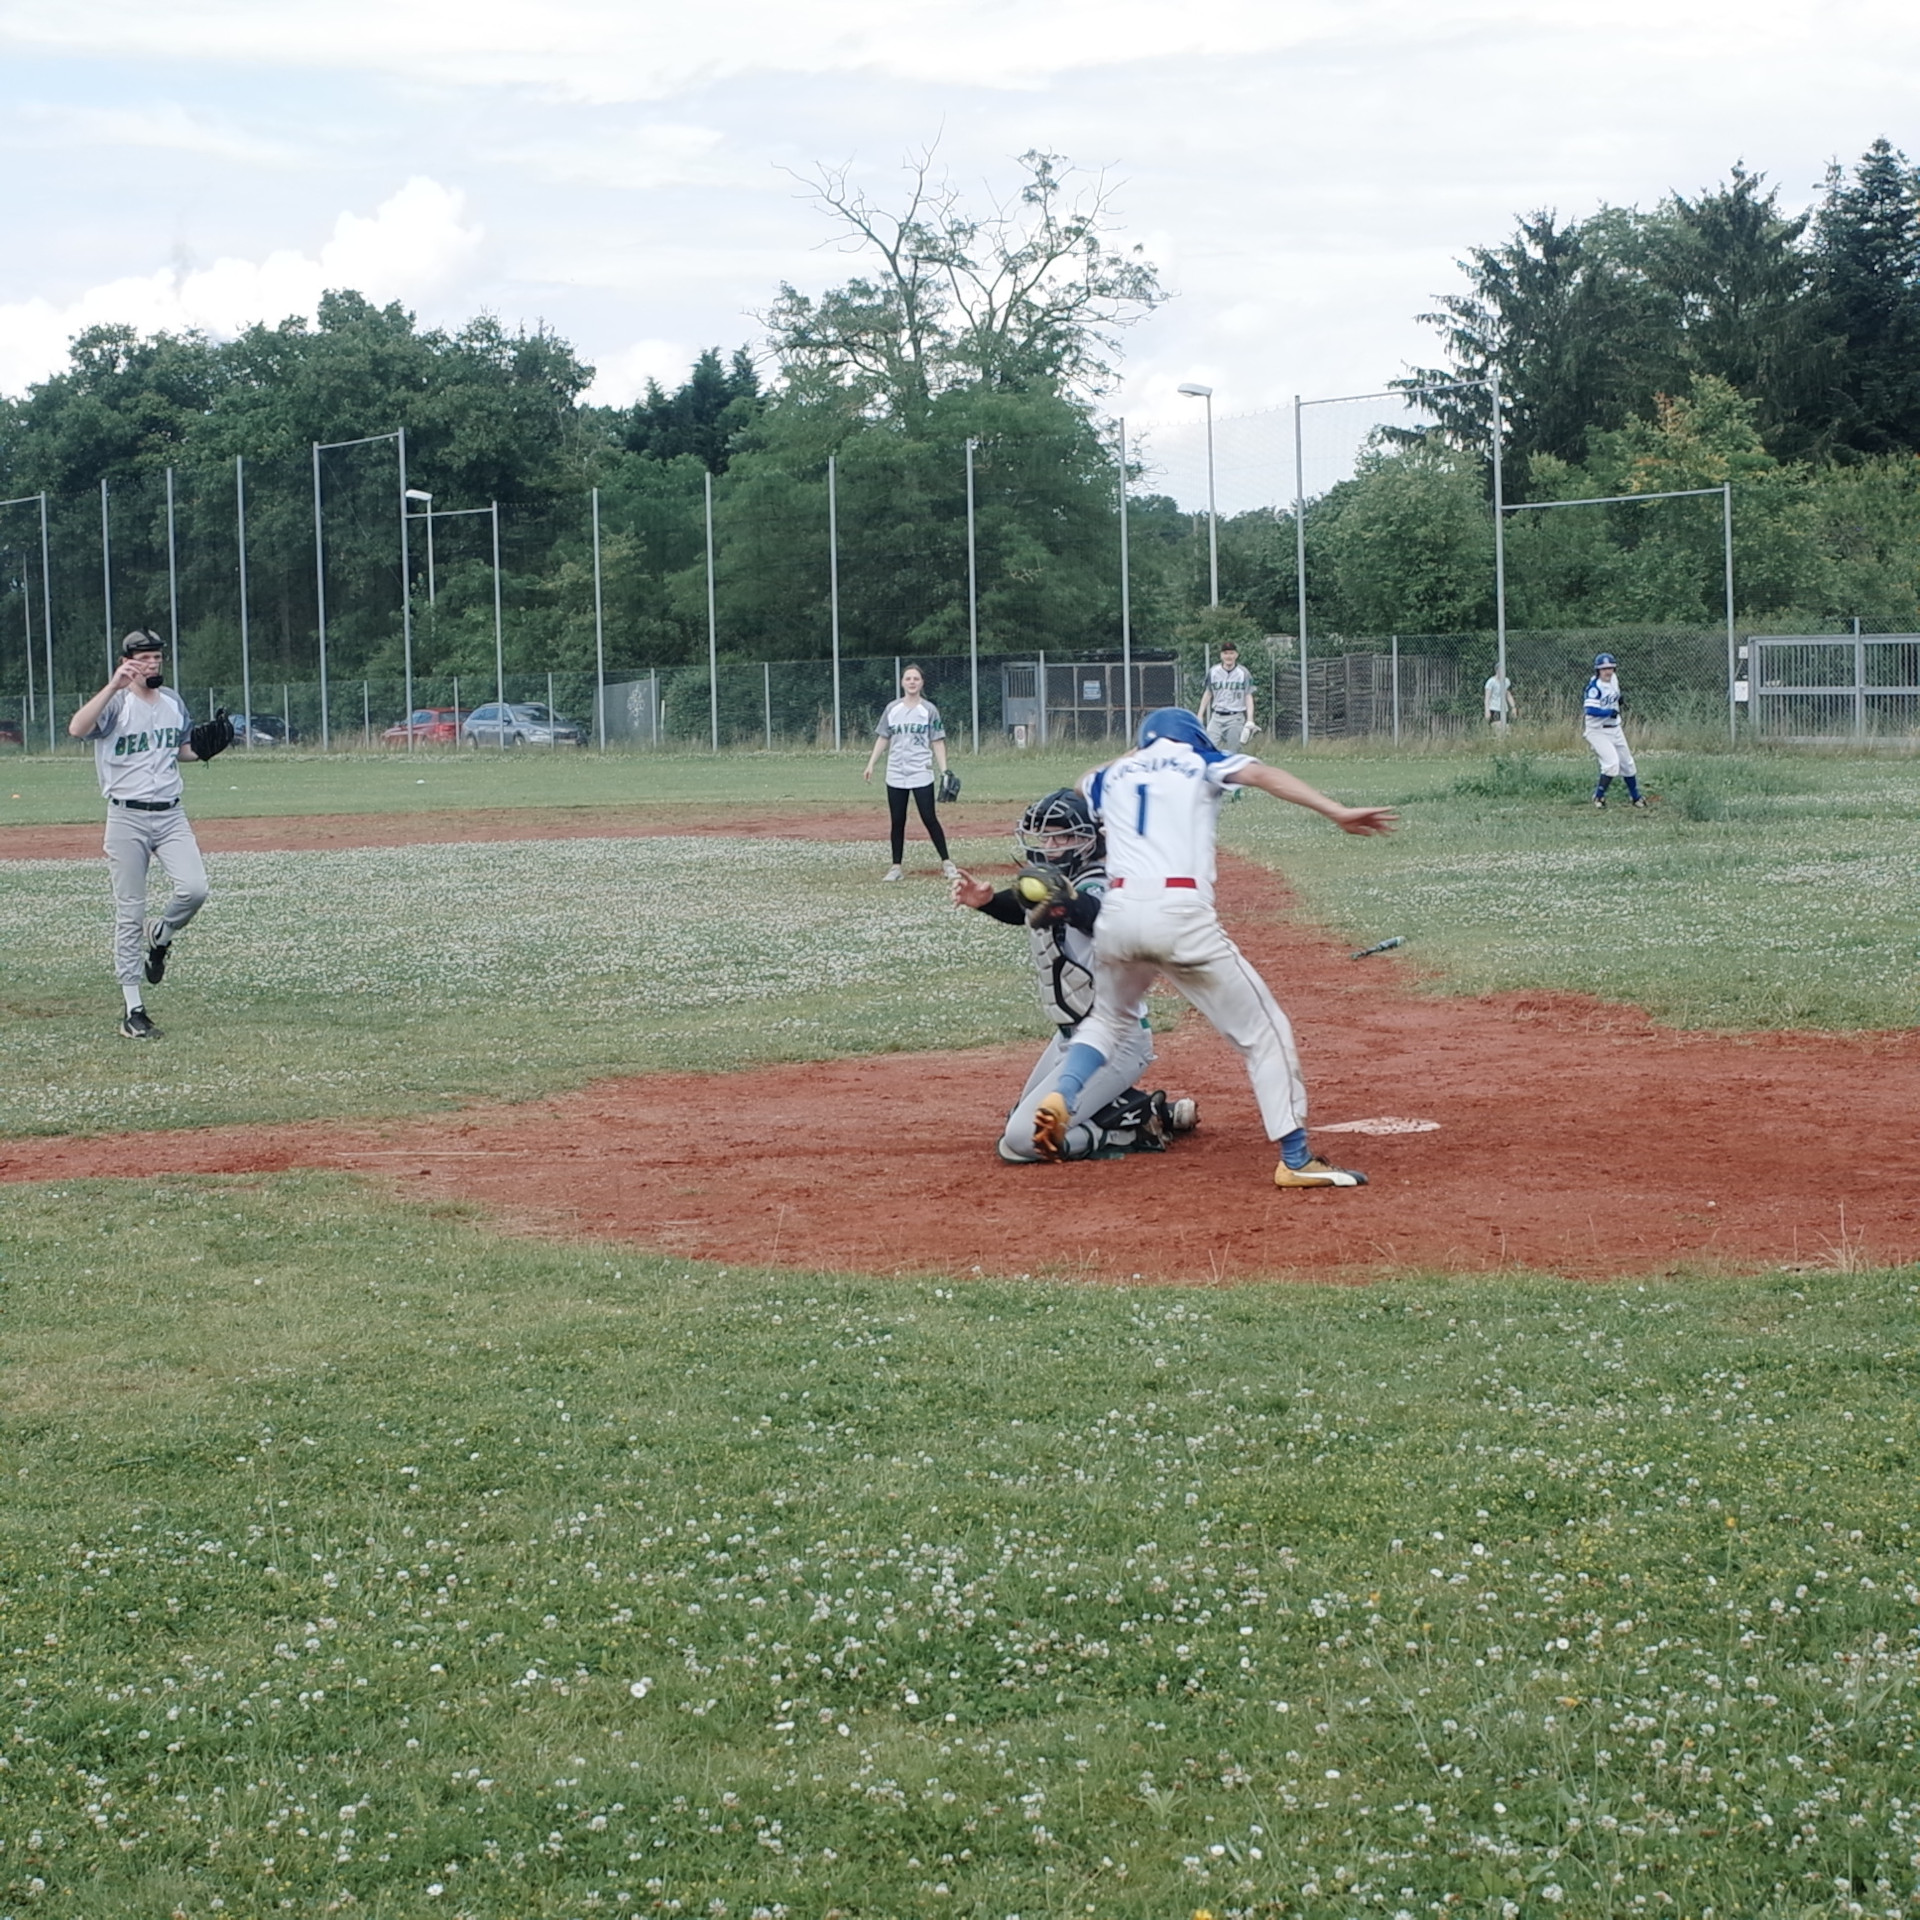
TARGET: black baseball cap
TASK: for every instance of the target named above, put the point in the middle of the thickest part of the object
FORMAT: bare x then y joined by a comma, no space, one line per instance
141,642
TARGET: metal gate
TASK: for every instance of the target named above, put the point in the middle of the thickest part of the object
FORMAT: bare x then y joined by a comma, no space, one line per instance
1834,686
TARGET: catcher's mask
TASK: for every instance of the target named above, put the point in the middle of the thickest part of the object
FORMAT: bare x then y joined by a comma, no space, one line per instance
1059,829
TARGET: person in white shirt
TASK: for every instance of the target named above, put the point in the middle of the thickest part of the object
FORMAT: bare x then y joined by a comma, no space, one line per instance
141,731
915,743
1159,807
1226,707
1502,706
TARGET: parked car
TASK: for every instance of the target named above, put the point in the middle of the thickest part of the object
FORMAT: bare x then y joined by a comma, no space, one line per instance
258,730
429,727
526,724
10,734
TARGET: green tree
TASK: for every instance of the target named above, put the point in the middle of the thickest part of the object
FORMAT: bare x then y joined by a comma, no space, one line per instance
1867,235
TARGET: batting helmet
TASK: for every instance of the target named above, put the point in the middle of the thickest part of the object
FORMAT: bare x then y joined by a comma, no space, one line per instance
1060,830
1177,725
1604,660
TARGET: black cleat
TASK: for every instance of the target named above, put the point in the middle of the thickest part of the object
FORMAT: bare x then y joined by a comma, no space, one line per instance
156,967
136,1026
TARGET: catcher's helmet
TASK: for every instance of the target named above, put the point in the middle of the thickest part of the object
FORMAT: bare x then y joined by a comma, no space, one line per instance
1060,830
1182,728
1604,660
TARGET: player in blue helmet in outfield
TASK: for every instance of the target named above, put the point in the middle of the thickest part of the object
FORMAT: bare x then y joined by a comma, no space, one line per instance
1600,722
1159,806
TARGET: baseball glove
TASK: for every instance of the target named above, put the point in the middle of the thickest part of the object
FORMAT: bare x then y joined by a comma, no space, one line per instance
211,736
949,785
1046,892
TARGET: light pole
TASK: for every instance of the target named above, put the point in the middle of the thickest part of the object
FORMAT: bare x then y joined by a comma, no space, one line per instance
1195,391
416,493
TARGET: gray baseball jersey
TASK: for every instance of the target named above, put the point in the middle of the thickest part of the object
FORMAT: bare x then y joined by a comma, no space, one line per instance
910,727
137,742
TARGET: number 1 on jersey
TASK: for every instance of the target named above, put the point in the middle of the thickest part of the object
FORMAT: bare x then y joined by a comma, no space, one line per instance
1140,818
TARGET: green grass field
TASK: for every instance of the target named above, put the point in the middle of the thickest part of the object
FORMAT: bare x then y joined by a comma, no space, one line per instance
361,1559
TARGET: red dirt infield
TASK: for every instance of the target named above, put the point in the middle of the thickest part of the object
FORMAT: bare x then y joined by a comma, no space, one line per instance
1574,1137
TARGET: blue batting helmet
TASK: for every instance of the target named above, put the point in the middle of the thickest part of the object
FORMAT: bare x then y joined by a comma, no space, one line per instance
1179,726
1604,660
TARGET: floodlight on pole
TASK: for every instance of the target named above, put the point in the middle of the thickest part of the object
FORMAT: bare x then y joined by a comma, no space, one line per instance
417,493
1195,391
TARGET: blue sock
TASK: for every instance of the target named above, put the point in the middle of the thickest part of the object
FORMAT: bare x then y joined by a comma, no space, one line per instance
1081,1064
1633,787
1293,1149
1600,792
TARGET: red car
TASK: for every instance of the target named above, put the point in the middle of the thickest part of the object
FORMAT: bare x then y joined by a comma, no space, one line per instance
430,727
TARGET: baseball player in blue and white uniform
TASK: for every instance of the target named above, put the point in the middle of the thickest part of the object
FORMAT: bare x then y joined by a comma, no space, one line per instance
1600,721
1159,807
1059,830
1226,707
141,731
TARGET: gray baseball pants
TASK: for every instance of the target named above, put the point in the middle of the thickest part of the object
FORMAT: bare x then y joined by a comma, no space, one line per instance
134,841
1128,1061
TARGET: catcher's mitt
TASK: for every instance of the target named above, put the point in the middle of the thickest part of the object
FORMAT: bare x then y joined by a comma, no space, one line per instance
949,785
211,736
1046,892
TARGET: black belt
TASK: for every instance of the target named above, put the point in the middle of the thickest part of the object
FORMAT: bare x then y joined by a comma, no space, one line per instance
146,806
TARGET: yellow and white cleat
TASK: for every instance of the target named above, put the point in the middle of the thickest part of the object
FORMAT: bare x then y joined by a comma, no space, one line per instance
1316,1173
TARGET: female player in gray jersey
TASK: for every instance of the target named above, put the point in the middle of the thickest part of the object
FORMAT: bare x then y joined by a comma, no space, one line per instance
1059,831
141,731
915,743
1159,806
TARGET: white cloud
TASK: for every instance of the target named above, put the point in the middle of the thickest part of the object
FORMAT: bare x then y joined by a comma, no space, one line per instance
163,126
621,377
414,244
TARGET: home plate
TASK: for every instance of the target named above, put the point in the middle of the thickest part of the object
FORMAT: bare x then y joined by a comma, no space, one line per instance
1385,1124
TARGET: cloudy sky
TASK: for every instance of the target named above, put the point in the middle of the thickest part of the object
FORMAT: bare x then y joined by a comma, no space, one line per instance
1305,172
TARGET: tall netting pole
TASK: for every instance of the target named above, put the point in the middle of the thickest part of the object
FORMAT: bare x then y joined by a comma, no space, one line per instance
246,640
106,572
406,586
1126,598
1726,548
1499,546
173,585
1300,553
973,601
713,627
320,595
833,585
499,636
599,630
46,612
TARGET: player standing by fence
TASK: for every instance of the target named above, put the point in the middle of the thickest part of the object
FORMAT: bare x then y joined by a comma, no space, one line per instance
1226,707
1600,722
915,742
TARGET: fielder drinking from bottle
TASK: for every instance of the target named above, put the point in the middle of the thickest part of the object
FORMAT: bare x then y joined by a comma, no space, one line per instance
141,731
1159,806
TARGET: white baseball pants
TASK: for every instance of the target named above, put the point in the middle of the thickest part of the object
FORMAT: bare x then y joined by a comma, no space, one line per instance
134,841
1610,743
1227,730
1125,1064
1148,930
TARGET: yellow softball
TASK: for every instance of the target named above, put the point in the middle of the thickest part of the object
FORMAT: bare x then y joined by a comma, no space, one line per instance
1031,888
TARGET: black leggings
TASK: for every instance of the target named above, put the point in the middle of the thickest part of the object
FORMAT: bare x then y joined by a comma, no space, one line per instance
897,810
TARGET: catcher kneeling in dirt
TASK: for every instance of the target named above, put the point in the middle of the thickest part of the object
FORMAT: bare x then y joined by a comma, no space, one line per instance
1056,896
